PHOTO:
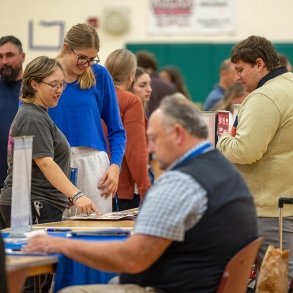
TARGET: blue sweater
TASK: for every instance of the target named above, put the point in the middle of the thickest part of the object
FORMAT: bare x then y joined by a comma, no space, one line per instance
79,113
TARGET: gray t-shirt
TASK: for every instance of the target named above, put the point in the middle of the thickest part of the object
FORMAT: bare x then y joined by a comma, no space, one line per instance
48,141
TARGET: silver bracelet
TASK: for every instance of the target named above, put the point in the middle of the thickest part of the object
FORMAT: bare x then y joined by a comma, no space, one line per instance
74,197
77,197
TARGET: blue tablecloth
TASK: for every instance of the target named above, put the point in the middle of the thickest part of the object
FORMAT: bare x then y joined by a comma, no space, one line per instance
69,272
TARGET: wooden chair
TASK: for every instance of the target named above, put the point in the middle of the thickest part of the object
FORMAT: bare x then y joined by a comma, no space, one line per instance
237,271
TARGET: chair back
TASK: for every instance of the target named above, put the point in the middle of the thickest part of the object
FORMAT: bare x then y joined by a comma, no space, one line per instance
237,271
3,281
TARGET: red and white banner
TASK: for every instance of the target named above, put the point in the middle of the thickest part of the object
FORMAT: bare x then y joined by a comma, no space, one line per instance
187,16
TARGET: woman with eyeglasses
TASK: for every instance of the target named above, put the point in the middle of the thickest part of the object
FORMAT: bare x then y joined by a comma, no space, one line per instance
88,99
42,85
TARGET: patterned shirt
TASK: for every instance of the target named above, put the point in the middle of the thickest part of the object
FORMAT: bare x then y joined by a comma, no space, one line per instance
173,205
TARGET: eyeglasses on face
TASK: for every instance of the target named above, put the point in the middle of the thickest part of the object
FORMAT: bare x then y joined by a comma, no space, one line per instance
82,60
55,85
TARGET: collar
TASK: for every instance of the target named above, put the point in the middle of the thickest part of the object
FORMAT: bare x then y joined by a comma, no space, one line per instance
272,74
203,147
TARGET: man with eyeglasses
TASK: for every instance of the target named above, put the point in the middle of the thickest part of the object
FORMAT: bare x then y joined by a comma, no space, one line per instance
11,71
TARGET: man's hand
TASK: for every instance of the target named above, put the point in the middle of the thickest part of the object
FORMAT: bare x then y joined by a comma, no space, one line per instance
44,243
109,181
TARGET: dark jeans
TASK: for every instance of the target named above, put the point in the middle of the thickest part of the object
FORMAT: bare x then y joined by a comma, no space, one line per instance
47,214
2,223
126,204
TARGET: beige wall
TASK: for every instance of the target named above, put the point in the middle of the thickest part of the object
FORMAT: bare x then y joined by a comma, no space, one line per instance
270,18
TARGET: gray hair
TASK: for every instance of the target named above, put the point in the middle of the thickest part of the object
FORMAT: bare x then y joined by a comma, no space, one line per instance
178,109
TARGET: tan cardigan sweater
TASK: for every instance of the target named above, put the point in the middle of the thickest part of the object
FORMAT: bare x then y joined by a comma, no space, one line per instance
263,146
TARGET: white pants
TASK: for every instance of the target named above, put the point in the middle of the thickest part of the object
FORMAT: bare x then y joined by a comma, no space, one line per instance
92,165
107,289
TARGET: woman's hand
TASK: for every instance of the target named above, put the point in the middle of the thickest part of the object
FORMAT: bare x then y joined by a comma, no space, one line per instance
109,181
85,205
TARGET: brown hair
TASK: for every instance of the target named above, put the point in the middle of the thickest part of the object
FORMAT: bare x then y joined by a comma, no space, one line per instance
139,72
146,60
255,47
13,40
177,79
37,70
235,90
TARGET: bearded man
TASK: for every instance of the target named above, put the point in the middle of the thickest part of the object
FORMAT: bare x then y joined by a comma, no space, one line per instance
11,71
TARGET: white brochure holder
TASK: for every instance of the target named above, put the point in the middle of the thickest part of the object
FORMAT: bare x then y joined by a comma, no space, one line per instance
21,214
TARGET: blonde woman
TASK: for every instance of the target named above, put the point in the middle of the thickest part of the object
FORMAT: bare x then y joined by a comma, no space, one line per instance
134,180
89,98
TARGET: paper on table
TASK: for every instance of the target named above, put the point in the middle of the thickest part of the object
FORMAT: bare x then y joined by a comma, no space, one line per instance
123,215
35,233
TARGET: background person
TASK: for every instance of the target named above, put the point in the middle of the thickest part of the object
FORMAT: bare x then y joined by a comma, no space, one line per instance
160,87
185,221
227,78
42,86
234,94
134,180
173,74
263,146
284,60
89,97
43,83
11,61
142,85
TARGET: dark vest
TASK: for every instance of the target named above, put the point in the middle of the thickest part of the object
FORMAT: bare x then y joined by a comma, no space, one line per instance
197,263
